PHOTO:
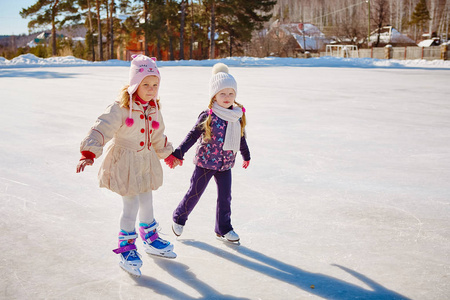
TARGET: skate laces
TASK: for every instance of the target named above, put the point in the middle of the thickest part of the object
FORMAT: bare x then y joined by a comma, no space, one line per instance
132,255
159,243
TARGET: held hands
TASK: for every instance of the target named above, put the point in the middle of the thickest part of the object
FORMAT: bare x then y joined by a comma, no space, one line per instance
172,161
83,163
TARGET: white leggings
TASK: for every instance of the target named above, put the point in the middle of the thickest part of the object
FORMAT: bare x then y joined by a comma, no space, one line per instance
142,203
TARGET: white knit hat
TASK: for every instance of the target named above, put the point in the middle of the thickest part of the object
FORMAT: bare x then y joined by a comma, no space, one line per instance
220,80
141,67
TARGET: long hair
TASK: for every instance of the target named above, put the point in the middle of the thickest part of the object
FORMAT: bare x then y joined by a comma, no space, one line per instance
124,98
207,123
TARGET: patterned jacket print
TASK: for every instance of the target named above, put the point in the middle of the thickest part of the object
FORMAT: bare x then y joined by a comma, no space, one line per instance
210,155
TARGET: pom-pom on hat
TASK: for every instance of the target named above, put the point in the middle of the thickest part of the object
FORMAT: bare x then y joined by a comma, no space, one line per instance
141,67
221,79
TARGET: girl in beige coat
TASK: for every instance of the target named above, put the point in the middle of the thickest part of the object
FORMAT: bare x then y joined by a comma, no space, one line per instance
131,165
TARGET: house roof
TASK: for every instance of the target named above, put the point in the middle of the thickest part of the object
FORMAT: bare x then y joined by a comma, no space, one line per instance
307,35
390,35
429,43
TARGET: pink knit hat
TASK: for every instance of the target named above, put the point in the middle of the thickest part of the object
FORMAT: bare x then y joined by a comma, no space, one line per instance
141,67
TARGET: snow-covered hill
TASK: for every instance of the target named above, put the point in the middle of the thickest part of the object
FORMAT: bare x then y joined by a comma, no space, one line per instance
30,61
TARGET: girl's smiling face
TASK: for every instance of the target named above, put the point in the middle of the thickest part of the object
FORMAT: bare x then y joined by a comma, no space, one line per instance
225,98
148,88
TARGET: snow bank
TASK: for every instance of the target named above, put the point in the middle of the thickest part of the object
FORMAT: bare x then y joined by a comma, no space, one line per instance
30,61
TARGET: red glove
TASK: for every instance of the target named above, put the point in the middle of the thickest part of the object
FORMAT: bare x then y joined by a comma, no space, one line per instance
245,164
87,159
83,163
172,161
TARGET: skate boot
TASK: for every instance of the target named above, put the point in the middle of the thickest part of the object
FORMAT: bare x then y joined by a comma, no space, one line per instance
153,244
230,236
177,229
130,260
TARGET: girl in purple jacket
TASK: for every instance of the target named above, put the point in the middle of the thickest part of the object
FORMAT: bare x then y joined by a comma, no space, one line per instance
221,128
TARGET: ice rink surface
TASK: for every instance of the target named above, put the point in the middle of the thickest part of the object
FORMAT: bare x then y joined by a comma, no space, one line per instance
347,195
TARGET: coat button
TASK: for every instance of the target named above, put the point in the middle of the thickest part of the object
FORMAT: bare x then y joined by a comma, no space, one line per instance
149,118
142,116
142,130
142,143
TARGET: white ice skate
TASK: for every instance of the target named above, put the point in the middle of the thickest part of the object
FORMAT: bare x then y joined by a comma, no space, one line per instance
130,260
153,244
177,229
230,236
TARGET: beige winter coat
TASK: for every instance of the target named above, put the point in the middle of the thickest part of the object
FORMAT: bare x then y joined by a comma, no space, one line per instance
131,164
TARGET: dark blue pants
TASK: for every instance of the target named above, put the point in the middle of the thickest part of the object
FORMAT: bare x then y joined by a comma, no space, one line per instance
199,182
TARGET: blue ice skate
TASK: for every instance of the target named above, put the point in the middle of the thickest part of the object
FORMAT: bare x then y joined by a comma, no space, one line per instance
153,244
130,259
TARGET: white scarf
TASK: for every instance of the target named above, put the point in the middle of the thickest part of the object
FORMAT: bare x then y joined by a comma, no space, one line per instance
233,133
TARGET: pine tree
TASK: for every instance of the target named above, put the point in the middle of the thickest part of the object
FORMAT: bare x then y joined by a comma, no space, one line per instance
421,15
45,12
239,18
85,14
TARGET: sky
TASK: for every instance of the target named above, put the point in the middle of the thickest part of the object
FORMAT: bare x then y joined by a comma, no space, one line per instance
10,20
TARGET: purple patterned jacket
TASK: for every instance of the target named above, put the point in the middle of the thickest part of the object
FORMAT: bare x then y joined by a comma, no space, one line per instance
210,155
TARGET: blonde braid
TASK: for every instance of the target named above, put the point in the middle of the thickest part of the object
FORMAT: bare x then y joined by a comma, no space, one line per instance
207,124
243,119
124,98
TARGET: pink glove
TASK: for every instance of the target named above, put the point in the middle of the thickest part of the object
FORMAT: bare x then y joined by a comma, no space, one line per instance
245,164
172,161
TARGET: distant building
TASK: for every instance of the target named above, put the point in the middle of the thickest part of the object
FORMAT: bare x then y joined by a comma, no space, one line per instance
430,42
298,37
388,35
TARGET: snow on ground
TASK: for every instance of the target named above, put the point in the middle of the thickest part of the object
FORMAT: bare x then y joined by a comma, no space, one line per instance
347,195
29,60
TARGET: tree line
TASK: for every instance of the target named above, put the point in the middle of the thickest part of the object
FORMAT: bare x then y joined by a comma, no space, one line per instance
353,19
188,29
169,25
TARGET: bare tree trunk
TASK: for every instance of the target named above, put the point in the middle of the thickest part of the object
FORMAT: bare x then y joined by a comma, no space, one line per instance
213,30
99,25
146,37
183,16
443,7
170,34
191,46
171,54
432,10
91,30
111,29
54,9
158,46
108,37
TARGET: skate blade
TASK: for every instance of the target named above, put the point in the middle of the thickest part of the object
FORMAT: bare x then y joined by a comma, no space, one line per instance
221,238
135,272
169,254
